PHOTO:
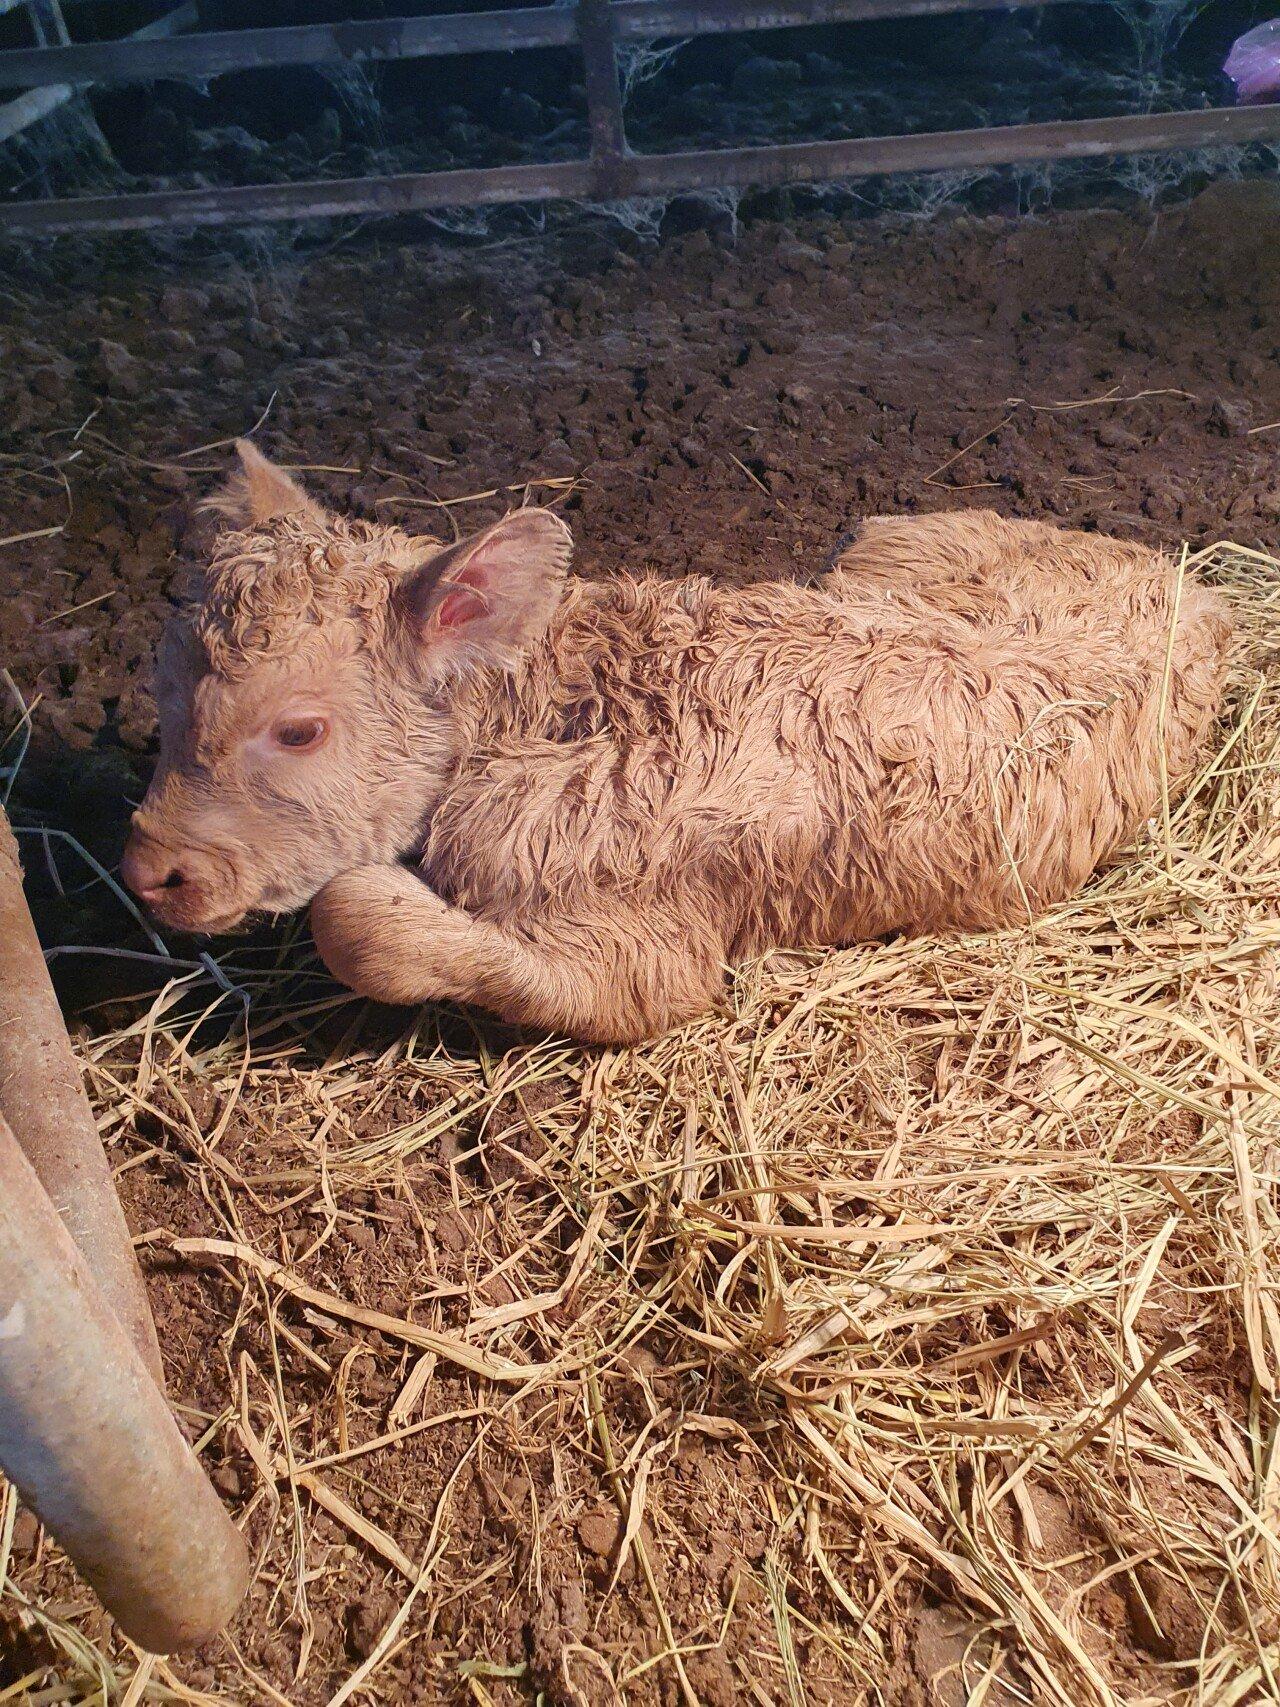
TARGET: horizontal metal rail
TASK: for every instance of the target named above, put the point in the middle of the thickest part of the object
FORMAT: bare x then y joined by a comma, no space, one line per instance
215,53
651,175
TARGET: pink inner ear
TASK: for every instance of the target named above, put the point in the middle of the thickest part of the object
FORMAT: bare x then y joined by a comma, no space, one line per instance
460,606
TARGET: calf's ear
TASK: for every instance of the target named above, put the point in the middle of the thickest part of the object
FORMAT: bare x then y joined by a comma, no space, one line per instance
259,491
483,601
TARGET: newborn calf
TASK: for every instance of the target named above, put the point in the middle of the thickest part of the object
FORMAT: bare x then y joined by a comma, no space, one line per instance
610,790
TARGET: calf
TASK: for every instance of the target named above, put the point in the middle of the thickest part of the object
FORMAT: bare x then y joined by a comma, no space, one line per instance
608,791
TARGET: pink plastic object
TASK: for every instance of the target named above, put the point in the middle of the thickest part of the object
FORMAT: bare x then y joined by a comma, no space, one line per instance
1253,64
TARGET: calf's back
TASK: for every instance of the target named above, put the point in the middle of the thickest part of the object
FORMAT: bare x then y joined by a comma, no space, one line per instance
949,732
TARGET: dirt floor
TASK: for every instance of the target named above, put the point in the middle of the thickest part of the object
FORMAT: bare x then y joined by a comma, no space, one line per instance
727,403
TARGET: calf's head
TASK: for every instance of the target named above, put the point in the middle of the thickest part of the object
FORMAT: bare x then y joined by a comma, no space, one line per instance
304,694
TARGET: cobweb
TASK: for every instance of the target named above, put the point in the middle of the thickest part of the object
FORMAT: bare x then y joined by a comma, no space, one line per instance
639,62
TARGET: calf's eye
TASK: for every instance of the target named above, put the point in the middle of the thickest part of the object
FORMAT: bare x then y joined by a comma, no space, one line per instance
299,734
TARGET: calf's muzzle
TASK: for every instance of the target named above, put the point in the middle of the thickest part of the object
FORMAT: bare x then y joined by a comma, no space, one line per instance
185,887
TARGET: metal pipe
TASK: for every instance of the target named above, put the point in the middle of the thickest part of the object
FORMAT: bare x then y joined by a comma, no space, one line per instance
89,1443
650,174
42,1097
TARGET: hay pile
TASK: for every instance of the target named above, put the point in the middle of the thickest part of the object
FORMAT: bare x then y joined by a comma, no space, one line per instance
908,1333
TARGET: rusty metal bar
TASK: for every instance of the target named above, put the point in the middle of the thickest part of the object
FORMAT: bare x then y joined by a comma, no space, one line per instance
604,97
43,1098
89,1443
652,174
311,200
212,53
651,20
22,112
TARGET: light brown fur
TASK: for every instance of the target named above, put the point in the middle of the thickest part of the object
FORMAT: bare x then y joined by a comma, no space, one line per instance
616,791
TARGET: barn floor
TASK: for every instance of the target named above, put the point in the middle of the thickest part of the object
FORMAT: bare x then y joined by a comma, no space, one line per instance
739,1466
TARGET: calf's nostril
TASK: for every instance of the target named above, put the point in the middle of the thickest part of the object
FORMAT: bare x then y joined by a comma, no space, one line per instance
151,872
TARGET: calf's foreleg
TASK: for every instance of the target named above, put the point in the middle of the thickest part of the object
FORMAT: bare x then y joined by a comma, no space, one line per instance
615,973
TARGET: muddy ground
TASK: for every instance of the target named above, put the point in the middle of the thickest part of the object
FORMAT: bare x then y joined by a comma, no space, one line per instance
724,404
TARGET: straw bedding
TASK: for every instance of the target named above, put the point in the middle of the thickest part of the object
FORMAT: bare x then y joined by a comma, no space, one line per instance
906,1332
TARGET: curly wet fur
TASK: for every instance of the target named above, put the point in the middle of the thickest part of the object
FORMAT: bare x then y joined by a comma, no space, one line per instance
949,734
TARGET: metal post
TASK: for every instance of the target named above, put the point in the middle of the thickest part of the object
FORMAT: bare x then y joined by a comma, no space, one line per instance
42,1097
89,1443
604,97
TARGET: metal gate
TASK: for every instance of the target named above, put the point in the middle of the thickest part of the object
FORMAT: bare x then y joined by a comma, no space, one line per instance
56,68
